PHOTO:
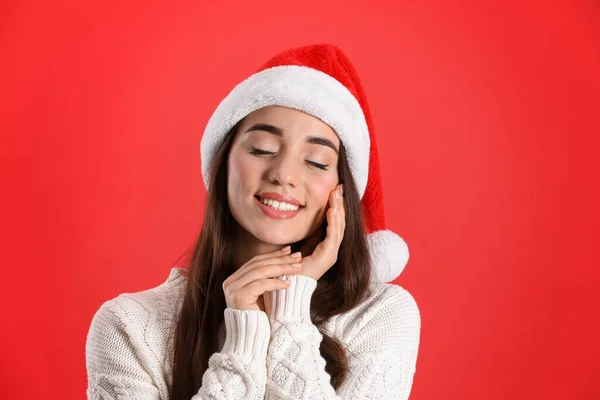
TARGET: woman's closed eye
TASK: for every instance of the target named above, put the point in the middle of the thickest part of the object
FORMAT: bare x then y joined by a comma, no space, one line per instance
259,152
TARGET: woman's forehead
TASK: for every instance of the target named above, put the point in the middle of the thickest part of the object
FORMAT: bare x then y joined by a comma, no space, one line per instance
287,122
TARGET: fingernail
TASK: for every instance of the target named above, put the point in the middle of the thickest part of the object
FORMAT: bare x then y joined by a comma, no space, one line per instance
337,194
334,210
297,265
286,248
342,189
297,254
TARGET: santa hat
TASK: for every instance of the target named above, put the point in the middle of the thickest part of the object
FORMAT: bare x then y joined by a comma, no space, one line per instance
319,80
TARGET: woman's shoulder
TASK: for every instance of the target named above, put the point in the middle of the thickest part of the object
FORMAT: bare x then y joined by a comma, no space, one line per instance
391,302
384,295
389,314
164,296
149,311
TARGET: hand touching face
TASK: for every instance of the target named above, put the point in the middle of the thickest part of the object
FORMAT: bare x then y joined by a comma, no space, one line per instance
325,252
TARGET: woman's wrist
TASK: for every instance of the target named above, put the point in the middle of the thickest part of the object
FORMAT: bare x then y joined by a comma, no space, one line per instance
293,303
248,332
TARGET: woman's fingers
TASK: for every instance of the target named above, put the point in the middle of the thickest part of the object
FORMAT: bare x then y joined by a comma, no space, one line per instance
335,227
257,281
251,296
342,214
254,278
261,286
266,272
252,265
333,223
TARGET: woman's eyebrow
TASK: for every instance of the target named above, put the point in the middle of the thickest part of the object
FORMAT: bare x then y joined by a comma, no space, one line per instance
267,128
279,132
321,141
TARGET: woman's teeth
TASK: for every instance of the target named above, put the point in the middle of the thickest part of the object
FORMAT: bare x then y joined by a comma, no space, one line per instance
281,206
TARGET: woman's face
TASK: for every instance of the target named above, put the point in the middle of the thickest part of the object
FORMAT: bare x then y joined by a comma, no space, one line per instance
288,159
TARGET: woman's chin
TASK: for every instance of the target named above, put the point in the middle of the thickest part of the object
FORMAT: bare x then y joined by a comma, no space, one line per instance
276,239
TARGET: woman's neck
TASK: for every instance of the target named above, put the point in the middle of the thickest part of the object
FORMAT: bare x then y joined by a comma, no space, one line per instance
248,246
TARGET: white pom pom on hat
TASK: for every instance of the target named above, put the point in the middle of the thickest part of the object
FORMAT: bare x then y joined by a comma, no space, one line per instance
321,81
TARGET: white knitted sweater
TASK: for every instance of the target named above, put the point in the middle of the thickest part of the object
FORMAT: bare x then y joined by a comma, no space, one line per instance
130,346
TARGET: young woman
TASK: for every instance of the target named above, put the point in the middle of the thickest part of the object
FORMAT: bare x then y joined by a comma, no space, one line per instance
285,296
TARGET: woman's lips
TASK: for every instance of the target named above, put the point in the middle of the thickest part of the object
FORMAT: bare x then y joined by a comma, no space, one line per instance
279,197
276,214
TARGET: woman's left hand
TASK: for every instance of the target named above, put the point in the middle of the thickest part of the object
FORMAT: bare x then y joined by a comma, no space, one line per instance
326,252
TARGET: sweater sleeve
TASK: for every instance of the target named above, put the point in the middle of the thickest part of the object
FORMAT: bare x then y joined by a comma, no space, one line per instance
381,343
121,364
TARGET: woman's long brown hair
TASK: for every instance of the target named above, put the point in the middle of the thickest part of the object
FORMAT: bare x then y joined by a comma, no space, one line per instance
340,289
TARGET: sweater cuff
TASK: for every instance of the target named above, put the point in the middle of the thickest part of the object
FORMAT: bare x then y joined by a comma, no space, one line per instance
293,304
248,332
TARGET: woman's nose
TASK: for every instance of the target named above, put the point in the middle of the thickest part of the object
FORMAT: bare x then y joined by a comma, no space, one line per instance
284,171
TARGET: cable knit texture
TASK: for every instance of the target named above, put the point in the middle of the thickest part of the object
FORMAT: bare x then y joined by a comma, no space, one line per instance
130,346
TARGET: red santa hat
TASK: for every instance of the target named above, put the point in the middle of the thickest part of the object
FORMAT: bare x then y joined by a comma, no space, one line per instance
319,80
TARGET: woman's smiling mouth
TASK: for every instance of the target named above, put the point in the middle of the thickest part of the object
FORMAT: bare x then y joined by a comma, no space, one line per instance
278,209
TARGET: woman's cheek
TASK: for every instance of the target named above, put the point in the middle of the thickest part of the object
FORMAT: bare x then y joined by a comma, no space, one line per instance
321,188
243,168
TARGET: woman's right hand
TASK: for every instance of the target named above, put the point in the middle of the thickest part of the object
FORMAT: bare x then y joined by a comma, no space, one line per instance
245,287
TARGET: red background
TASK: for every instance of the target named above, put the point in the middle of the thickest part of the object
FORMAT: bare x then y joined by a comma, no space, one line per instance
487,119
